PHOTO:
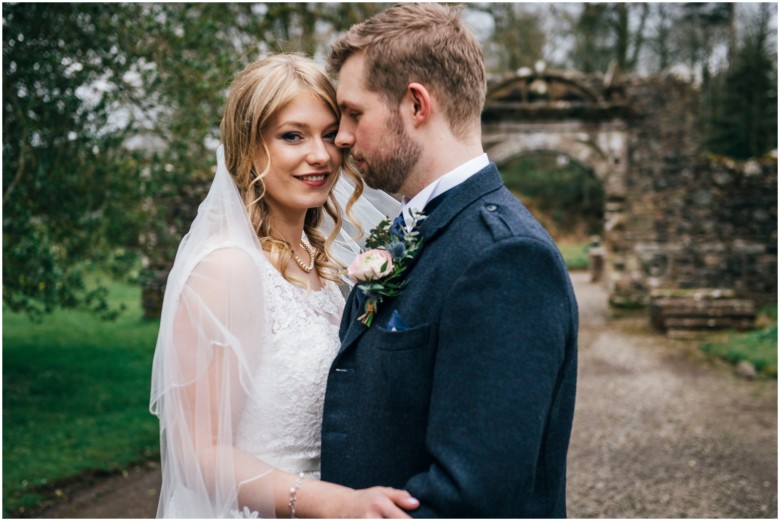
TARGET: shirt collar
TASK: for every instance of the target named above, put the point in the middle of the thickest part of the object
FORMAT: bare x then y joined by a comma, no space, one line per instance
446,182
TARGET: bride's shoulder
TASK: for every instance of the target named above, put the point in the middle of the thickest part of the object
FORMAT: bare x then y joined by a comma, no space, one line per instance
230,259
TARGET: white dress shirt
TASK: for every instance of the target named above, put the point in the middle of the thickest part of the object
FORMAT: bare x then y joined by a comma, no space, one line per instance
446,182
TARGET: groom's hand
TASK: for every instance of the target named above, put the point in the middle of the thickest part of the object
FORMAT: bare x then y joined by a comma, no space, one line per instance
382,502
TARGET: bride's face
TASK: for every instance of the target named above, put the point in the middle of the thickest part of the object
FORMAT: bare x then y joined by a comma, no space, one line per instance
304,159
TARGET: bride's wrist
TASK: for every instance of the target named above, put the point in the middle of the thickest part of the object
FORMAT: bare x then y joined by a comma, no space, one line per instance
292,502
320,499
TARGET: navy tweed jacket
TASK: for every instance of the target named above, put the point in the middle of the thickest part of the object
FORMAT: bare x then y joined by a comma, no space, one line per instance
470,407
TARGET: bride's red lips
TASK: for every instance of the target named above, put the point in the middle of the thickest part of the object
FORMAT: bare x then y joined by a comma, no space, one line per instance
314,179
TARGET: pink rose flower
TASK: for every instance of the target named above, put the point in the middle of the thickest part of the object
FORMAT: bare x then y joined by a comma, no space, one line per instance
369,266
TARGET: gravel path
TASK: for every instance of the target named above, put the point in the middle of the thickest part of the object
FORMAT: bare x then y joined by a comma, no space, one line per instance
658,433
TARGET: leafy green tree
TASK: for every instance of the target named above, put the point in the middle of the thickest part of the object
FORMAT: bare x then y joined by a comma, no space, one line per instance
69,191
742,114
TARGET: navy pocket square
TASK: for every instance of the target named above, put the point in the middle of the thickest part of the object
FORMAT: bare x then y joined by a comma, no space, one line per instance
396,323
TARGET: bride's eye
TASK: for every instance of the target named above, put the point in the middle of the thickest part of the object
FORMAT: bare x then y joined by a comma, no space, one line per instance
291,137
330,137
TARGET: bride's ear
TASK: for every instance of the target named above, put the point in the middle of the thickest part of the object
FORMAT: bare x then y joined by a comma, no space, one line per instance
418,103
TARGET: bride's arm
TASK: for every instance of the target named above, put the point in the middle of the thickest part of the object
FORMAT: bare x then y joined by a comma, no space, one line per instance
218,328
258,483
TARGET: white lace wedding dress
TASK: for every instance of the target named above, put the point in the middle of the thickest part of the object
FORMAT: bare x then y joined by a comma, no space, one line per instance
246,363
281,425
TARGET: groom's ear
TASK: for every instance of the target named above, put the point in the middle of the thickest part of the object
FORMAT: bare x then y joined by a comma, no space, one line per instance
418,100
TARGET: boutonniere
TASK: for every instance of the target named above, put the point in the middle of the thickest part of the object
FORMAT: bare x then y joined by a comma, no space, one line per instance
378,271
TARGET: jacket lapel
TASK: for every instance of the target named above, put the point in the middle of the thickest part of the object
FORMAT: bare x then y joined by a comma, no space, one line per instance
356,329
351,327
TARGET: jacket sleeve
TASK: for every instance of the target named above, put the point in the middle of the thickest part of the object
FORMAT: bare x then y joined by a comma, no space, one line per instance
502,343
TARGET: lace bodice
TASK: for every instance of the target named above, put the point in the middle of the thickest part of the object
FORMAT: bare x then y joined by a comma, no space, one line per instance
282,424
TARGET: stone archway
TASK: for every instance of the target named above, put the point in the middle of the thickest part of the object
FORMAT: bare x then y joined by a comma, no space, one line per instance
603,148
561,112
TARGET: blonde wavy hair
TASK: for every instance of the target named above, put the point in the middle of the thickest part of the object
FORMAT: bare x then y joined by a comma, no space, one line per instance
256,95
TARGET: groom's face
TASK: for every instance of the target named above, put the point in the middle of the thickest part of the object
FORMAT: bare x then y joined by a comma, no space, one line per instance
375,133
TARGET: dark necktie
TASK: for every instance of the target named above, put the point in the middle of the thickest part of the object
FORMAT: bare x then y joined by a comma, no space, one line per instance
398,228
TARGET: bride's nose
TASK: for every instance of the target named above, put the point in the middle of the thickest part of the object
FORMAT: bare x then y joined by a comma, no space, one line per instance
318,153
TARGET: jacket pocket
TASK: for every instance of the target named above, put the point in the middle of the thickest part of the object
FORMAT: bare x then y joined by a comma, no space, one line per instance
411,338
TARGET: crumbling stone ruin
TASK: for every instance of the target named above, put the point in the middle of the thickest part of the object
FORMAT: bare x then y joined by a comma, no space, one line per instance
697,234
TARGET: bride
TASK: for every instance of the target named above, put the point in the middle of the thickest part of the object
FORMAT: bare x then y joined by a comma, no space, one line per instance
249,326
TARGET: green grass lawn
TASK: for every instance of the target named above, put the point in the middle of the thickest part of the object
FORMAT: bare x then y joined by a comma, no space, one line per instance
758,347
75,397
575,254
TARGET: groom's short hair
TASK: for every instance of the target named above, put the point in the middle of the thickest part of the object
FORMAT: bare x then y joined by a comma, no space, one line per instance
424,43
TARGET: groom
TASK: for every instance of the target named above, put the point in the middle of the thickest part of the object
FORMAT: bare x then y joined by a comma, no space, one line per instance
461,391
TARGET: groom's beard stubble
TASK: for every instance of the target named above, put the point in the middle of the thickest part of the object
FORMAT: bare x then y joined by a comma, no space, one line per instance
390,172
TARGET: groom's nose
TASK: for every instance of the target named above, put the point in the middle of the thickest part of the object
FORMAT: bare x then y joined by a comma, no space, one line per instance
344,138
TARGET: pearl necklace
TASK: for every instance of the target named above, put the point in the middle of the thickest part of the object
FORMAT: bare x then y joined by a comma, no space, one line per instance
305,267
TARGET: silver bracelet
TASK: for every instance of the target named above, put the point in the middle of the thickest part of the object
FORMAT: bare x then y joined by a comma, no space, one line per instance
294,495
